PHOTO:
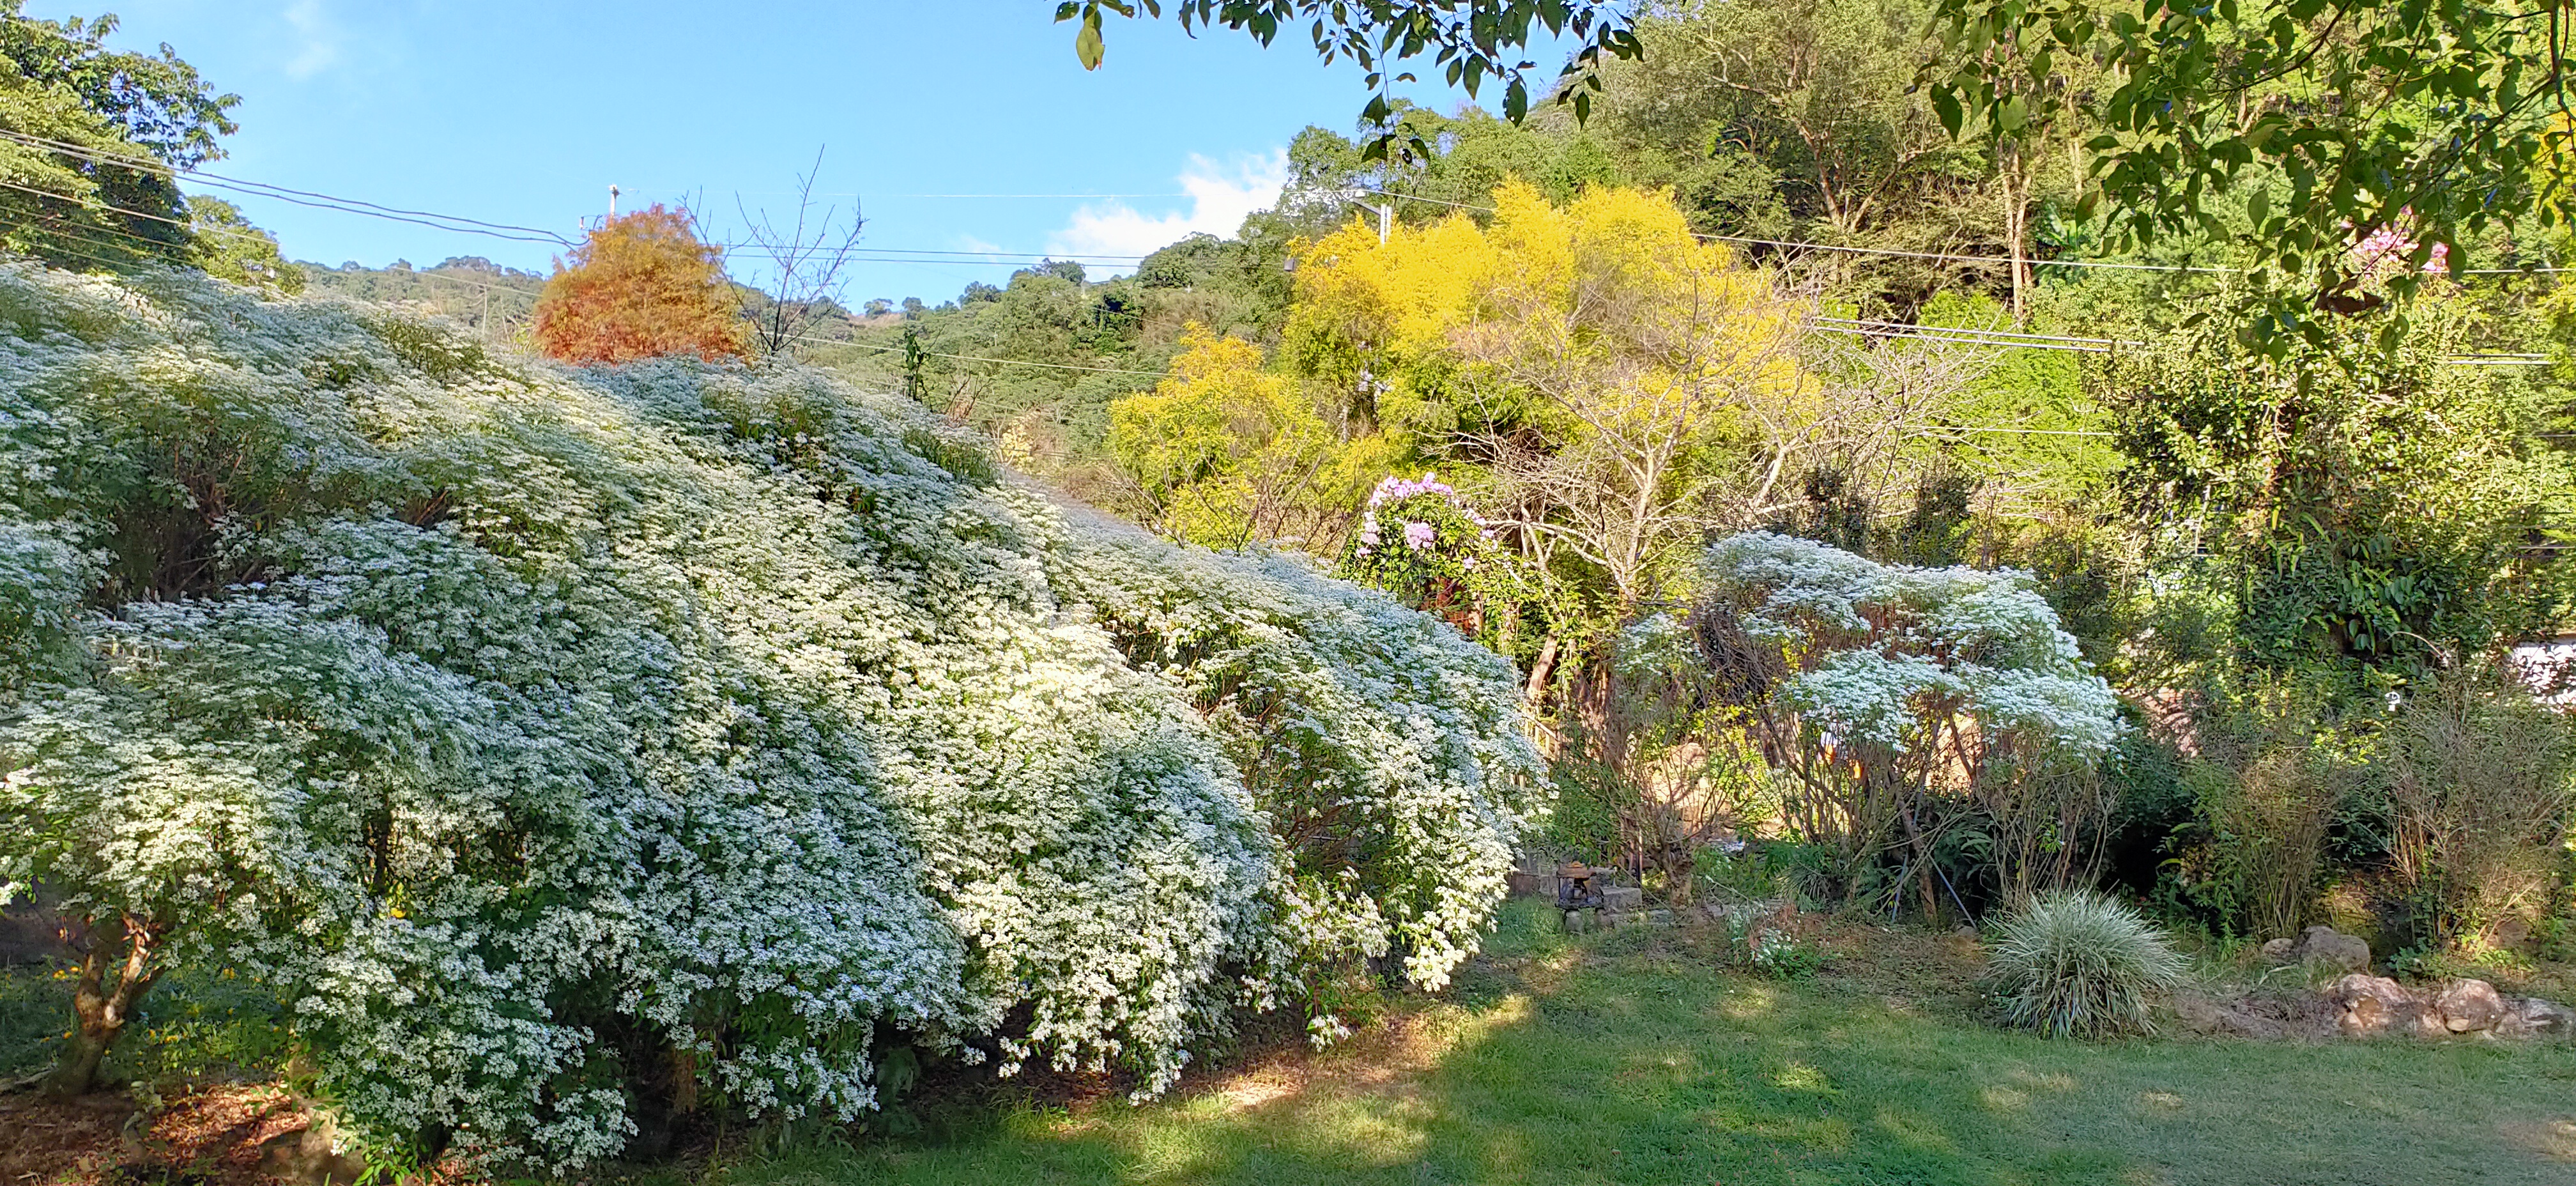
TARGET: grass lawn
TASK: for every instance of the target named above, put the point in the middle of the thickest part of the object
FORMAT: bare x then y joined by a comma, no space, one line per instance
1627,1058
1619,1058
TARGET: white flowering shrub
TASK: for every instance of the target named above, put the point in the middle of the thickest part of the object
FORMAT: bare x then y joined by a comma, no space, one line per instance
1876,644
542,735
1880,688
1385,748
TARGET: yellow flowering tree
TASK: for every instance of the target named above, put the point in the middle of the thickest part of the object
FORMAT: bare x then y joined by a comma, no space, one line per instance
1616,385
1223,452
1606,389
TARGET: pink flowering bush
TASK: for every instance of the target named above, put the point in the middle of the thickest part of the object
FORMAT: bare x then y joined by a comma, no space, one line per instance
2387,251
1425,544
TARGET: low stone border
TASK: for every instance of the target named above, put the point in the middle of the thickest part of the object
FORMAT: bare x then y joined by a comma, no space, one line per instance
2375,1005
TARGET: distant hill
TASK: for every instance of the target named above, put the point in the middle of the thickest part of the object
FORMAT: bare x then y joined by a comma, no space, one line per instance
497,302
493,301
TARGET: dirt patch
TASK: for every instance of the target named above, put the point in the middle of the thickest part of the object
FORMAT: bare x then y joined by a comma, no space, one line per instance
1402,1043
2552,1139
204,1137
1911,970
2263,1014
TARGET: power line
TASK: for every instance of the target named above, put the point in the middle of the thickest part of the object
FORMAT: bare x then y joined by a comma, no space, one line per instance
1013,196
112,263
2044,432
963,256
2081,345
94,204
460,223
1999,335
1848,326
944,256
869,254
1952,257
321,201
517,233
131,241
1017,362
779,193
1964,340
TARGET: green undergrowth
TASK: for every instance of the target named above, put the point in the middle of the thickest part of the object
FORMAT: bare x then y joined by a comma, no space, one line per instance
194,1027
1631,1058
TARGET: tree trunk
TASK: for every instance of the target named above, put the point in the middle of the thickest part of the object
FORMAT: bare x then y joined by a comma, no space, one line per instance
1542,669
2016,180
1922,862
101,1009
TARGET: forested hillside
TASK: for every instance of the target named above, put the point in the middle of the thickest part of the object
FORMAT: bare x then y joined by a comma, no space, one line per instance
1797,134
492,302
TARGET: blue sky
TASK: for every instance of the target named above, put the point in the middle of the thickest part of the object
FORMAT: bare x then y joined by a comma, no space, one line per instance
525,112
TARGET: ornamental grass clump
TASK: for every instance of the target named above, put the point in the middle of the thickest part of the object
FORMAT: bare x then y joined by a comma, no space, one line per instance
2074,963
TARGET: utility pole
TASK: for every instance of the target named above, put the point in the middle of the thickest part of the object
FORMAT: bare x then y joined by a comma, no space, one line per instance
1385,216
612,202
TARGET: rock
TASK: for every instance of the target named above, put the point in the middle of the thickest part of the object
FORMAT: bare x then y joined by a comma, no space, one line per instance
2201,1015
1622,898
2374,1005
2531,1015
1661,918
1577,921
2281,951
2330,949
2469,1005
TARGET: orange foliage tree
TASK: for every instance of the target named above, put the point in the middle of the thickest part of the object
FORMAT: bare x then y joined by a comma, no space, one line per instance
641,285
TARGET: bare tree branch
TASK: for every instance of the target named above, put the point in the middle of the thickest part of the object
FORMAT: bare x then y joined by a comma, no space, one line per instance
805,260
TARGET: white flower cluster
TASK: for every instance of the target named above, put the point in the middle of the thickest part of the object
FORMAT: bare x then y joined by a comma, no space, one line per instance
523,727
1875,643
1381,745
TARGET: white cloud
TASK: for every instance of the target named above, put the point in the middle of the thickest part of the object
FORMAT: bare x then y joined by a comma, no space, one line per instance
1220,196
316,41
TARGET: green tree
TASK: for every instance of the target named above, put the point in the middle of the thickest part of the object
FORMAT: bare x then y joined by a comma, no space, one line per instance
2348,508
228,247
2437,119
1224,453
89,138
1812,94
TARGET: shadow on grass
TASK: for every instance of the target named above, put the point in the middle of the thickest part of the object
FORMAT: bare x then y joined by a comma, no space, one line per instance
1628,1058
